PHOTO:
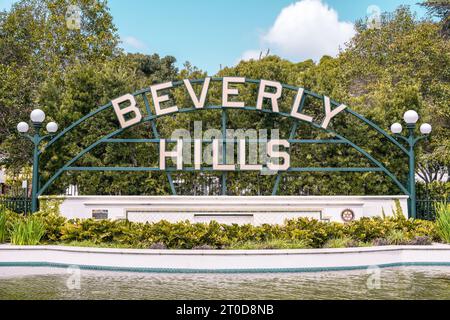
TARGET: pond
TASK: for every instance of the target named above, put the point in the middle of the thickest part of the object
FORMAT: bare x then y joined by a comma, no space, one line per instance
390,283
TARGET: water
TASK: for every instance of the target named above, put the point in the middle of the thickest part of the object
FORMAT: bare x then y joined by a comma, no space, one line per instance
393,283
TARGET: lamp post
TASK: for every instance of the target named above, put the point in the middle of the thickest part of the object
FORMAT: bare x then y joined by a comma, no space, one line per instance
411,117
37,118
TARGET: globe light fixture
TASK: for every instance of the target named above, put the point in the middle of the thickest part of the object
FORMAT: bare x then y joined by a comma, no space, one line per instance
411,139
411,117
426,129
37,116
52,127
23,127
396,128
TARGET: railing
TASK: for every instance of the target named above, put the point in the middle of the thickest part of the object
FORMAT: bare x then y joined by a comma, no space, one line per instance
426,209
16,204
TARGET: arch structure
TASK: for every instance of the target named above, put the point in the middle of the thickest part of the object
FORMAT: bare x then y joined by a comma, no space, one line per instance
129,115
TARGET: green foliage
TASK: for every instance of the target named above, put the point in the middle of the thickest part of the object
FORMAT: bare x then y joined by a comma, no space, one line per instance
443,221
298,233
48,227
381,73
435,190
53,223
7,218
27,231
343,242
3,226
270,244
398,211
441,10
36,46
397,237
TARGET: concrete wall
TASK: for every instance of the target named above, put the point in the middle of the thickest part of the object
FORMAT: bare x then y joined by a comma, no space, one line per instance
254,210
224,261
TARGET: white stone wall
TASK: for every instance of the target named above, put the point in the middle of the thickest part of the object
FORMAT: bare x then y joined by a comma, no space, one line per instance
254,210
225,260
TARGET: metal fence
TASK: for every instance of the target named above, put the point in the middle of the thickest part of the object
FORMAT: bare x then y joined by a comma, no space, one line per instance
426,208
16,204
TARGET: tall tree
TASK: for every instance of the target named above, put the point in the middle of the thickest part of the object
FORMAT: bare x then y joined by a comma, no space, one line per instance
38,42
441,10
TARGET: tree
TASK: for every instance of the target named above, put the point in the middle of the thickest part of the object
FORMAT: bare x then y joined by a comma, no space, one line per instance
441,10
37,44
84,88
403,65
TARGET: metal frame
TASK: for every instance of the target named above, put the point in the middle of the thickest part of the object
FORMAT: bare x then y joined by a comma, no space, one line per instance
339,139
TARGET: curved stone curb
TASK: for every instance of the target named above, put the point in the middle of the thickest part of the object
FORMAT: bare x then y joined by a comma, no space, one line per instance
217,261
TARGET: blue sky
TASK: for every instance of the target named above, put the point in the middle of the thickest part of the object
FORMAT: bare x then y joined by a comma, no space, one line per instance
210,33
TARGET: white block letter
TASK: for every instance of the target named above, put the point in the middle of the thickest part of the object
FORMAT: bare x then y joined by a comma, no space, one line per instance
226,91
331,114
163,154
298,100
158,99
198,103
272,96
120,113
197,154
216,165
242,163
276,154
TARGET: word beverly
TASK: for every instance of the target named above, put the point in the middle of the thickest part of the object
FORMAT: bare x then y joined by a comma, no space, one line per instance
131,115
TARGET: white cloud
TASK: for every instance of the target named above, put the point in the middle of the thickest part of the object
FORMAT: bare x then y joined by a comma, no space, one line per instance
251,54
134,43
307,29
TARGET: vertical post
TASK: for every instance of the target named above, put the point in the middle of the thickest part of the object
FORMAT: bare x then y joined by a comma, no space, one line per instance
224,150
412,173
35,182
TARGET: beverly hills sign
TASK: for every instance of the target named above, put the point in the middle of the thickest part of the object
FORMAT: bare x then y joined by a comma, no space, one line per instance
128,114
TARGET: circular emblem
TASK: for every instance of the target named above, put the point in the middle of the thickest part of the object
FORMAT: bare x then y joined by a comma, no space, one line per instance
348,215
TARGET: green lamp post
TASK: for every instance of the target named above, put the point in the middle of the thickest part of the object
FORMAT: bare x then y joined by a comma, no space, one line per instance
37,118
411,117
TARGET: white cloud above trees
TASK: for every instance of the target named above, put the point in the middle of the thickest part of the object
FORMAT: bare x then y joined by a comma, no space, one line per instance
133,43
307,29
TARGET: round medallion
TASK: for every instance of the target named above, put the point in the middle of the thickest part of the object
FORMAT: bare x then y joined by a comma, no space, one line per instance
348,215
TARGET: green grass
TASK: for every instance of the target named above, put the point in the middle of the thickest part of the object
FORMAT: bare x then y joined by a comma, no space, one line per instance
3,226
397,237
344,242
27,231
443,221
270,244
91,244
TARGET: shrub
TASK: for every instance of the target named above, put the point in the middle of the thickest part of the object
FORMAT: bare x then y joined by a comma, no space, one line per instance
3,226
53,223
27,231
379,242
397,237
295,233
421,241
443,221
368,229
97,231
270,244
158,246
343,242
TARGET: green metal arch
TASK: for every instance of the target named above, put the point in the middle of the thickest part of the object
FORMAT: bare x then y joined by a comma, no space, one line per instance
152,118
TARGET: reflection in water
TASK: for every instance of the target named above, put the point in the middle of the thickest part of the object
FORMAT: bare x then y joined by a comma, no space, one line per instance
395,283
